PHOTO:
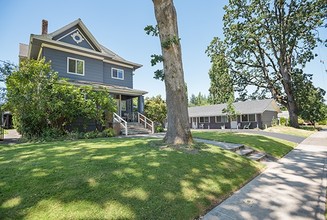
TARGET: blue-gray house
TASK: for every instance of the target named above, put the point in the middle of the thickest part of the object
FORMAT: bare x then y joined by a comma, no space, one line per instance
77,56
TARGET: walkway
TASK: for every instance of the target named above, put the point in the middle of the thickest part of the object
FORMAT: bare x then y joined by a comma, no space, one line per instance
292,188
12,137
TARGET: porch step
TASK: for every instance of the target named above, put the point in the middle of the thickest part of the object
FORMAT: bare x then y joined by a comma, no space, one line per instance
244,151
257,156
134,128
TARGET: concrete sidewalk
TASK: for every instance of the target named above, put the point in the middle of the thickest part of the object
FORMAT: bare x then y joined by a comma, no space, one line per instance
292,188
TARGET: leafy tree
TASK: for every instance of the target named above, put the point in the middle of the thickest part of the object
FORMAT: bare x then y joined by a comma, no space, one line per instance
198,100
6,69
41,102
221,85
267,40
155,108
178,131
309,98
230,109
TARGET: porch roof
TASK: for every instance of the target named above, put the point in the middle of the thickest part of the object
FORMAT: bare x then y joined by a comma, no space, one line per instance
246,107
112,88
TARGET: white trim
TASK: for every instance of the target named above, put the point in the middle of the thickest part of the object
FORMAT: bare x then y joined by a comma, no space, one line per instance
39,54
80,33
71,51
204,119
225,116
118,64
112,76
75,66
84,54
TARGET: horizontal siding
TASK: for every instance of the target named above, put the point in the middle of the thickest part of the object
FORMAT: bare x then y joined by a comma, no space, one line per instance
267,117
128,76
93,67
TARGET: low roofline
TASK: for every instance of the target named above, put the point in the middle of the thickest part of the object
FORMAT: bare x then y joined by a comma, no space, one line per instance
111,88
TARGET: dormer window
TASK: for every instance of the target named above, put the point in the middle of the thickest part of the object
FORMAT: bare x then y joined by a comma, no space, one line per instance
75,66
117,73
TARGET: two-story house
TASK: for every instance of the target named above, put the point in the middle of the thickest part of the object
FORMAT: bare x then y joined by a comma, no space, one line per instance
77,56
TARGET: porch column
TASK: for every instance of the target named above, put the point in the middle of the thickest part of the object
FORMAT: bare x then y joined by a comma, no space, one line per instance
140,104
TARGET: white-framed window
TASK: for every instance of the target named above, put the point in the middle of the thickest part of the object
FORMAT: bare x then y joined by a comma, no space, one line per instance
252,117
221,119
204,120
75,66
117,73
249,117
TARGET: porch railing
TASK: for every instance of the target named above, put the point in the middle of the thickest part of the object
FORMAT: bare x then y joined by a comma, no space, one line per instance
148,124
122,122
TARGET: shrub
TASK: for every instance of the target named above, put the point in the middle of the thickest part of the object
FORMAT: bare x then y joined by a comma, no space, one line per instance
39,100
159,128
283,121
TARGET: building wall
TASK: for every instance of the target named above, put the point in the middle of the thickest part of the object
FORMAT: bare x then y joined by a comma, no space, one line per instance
93,69
267,117
128,76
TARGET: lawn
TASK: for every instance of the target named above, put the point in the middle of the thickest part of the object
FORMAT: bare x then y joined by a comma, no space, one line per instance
300,132
272,146
116,178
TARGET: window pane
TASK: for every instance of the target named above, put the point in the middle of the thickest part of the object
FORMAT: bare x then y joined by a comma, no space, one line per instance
120,74
223,118
245,118
71,66
252,117
80,67
114,73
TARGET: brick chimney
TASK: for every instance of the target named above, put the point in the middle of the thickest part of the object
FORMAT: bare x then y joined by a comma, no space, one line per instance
44,26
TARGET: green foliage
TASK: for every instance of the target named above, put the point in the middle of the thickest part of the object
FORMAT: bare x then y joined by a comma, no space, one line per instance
155,59
198,100
6,69
155,108
230,109
44,105
310,99
159,128
267,40
170,41
283,121
221,85
150,30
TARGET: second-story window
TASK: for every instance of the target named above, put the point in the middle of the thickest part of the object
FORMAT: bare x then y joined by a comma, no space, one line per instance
75,66
117,73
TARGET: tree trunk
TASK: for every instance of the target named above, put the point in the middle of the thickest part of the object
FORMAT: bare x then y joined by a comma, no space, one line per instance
291,105
176,98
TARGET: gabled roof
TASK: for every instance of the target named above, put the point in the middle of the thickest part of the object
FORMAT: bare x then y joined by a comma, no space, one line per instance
246,107
44,40
82,26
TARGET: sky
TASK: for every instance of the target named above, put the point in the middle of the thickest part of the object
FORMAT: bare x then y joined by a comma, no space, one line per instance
119,25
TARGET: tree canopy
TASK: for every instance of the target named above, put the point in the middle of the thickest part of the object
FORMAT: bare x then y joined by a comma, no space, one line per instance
268,41
43,103
221,85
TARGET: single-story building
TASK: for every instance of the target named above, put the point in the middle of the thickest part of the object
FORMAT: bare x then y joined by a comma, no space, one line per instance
250,114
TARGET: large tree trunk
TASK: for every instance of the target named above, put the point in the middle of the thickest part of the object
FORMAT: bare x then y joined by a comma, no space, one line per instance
176,98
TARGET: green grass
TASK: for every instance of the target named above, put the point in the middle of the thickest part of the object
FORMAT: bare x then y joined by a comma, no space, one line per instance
116,179
272,146
300,132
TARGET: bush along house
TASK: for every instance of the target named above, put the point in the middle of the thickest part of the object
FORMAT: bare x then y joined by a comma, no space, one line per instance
77,56
249,114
